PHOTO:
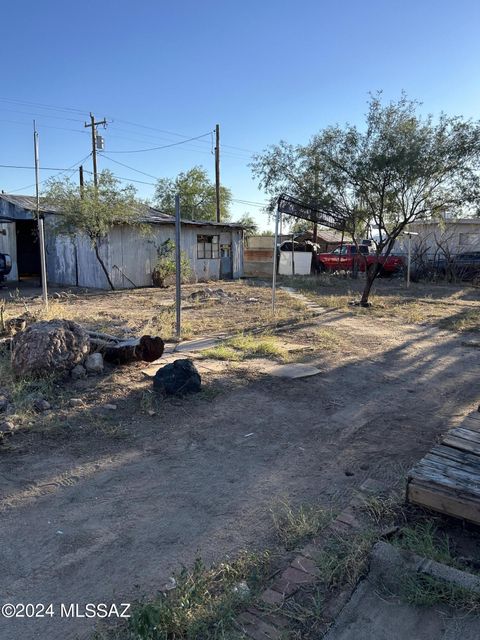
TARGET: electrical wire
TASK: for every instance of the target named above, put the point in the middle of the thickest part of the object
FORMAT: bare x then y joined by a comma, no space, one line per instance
165,146
17,166
70,169
42,106
149,175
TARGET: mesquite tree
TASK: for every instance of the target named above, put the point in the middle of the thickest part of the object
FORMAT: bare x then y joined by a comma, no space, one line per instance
398,168
92,210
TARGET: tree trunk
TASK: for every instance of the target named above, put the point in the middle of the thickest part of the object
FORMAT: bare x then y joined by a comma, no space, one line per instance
117,351
370,273
104,268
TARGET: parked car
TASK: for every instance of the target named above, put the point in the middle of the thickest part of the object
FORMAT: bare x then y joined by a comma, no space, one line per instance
348,257
5,266
463,266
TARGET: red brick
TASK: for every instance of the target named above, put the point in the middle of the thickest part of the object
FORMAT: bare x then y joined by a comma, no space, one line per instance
269,596
291,580
306,565
349,519
256,628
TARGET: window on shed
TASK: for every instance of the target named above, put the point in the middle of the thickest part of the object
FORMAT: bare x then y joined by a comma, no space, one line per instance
468,239
207,247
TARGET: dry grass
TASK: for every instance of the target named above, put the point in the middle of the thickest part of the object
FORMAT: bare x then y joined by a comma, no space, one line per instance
245,346
294,526
463,322
328,339
452,307
343,560
142,311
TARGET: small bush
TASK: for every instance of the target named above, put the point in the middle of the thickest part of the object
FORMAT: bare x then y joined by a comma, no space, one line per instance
165,265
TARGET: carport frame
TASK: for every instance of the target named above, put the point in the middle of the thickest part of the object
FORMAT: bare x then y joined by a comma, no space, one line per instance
303,211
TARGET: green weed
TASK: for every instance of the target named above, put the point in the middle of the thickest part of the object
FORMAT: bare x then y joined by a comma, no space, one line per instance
204,602
343,560
425,540
422,590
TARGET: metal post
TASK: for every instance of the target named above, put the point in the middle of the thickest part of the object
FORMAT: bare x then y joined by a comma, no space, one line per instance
41,230
274,274
293,254
178,275
409,259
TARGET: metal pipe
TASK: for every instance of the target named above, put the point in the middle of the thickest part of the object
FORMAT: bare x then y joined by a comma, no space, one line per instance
41,230
409,259
293,254
274,274
178,275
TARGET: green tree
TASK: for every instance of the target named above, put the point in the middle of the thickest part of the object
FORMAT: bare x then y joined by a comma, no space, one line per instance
93,211
197,196
400,167
249,224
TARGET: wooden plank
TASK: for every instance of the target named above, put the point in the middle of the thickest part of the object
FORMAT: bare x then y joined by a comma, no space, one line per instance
451,456
444,503
456,476
454,479
468,434
461,443
472,423
452,468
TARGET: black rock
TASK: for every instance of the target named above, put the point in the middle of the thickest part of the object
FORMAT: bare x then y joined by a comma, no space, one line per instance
177,378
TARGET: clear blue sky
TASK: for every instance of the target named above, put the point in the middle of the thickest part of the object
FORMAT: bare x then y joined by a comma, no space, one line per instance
265,70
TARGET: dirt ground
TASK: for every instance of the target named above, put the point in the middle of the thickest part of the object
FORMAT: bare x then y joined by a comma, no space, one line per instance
102,506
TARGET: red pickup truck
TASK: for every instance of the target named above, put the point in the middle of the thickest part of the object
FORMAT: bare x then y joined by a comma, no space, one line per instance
346,257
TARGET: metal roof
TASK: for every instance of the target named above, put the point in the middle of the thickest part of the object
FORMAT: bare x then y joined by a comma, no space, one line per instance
148,216
26,202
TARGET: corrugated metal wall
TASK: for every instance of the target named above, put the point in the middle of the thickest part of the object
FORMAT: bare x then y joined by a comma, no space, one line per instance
130,256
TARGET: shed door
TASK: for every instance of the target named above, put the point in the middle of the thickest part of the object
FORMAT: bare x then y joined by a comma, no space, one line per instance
226,263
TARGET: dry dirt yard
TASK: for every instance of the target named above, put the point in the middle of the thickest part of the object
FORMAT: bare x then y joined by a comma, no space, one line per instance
101,505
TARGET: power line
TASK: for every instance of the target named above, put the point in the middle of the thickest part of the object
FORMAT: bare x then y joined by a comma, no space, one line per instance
149,175
18,166
43,106
165,146
152,184
70,169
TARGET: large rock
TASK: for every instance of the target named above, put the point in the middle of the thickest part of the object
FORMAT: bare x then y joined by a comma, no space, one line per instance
94,363
53,346
177,378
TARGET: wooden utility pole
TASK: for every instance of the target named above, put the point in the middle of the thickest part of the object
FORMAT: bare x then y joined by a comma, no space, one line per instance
80,175
94,125
217,169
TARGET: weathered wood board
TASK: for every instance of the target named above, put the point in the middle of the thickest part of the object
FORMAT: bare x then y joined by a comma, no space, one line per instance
447,479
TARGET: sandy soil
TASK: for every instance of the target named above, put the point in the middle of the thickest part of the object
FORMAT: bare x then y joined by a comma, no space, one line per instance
105,515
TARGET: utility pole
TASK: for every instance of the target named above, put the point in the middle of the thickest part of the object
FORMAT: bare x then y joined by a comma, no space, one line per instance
41,230
94,125
217,169
80,175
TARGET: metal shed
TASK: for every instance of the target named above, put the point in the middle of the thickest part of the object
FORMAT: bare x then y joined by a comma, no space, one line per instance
215,250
